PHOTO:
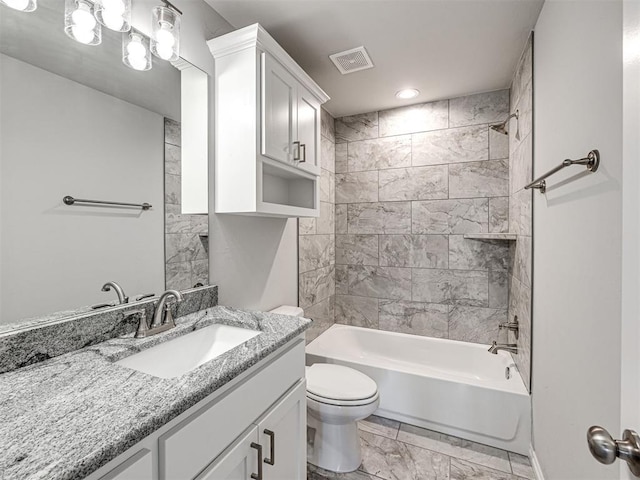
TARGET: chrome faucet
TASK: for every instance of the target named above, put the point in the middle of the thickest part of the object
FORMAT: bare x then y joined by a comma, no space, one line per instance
162,317
507,347
122,298
513,326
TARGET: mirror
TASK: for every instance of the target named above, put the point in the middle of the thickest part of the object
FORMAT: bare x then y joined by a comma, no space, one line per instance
75,121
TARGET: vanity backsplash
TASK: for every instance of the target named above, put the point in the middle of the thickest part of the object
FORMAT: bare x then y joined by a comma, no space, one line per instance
51,336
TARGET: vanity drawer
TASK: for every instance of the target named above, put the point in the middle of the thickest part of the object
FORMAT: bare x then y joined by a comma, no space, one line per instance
189,447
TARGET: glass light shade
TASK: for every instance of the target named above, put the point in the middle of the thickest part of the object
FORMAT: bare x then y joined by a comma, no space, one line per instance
114,14
136,53
22,5
165,37
80,23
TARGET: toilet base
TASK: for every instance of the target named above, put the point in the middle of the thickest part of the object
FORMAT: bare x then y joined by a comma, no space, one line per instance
333,447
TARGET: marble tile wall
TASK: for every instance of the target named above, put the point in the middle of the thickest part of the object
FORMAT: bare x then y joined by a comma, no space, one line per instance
186,240
409,183
317,241
520,204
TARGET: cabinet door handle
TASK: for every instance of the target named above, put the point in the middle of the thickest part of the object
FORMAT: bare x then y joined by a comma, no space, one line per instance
296,151
258,447
272,449
303,148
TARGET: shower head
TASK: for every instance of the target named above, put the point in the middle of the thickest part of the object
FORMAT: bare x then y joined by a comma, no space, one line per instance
504,128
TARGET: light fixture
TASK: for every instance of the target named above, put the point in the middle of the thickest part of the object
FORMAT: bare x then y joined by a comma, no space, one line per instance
22,5
407,93
165,36
135,51
114,14
79,22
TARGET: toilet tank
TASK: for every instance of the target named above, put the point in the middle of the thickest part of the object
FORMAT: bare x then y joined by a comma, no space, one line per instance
288,310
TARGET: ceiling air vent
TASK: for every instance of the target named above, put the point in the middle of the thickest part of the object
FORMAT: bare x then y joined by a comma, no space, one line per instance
352,60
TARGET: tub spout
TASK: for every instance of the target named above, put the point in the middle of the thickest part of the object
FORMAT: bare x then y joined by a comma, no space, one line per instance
507,347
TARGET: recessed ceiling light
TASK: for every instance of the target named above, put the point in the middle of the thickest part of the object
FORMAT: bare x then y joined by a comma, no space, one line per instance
407,93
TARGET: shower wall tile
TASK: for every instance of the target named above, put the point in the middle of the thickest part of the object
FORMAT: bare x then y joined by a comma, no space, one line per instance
316,285
316,251
200,272
357,311
521,163
325,223
379,153
473,324
342,165
327,186
178,275
341,219
172,159
467,254
499,215
416,251
342,279
451,216
414,118
491,107
317,242
451,287
172,190
327,126
175,221
498,145
172,132
380,282
357,249
384,217
479,179
322,314
417,318
498,289
356,127
357,187
454,145
327,154
418,183
306,226
410,182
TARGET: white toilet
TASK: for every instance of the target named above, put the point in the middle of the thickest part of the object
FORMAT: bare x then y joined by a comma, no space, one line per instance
337,397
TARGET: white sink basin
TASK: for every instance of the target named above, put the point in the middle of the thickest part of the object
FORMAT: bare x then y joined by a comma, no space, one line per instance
176,357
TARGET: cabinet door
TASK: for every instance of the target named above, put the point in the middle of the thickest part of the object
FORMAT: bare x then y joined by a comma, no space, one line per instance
279,98
308,131
138,466
282,434
237,462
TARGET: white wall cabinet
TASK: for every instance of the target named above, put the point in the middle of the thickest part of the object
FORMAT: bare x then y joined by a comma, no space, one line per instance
257,420
267,128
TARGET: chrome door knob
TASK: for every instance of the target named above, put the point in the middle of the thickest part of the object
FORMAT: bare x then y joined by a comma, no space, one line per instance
605,449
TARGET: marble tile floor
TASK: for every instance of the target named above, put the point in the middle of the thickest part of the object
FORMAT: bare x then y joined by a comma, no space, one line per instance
396,451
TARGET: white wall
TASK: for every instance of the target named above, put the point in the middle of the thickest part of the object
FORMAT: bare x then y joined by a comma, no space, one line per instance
577,238
62,138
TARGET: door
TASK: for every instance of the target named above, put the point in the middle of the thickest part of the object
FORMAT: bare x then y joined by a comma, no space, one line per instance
138,466
279,111
237,462
585,240
282,433
308,131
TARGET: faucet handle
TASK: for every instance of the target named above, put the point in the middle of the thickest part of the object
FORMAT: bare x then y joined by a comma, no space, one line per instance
143,327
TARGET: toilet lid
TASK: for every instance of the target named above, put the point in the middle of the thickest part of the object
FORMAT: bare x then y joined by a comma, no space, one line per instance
339,383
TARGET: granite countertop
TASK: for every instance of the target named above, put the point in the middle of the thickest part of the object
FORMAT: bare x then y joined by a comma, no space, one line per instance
66,417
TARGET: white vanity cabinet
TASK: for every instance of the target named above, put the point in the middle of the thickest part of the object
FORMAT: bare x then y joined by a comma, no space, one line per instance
255,424
267,128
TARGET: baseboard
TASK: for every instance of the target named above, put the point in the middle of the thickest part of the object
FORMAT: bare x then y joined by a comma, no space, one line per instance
535,464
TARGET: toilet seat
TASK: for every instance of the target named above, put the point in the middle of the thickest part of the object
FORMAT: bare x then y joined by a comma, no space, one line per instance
339,385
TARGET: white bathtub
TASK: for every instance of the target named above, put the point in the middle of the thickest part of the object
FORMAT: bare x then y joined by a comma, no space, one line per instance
451,387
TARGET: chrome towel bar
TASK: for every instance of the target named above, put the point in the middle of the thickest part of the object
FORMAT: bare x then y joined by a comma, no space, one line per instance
591,161
69,200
